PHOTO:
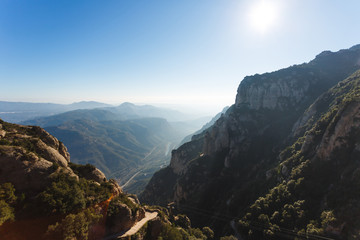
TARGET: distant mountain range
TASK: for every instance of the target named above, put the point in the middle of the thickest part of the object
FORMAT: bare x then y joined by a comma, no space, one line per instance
128,142
45,196
21,111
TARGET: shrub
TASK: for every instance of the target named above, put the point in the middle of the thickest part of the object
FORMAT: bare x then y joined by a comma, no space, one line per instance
74,226
6,212
63,196
7,198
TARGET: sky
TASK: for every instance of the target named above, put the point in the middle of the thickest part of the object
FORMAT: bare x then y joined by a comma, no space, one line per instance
189,53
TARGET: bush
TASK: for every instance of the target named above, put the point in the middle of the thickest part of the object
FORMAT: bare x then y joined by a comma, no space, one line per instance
74,226
170,232
6,212
63,196
114,206
208,232
67,194
4,142
7,198
228,238
7,193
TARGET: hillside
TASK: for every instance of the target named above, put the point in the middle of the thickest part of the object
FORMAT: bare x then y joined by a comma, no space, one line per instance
123,146
17,112
317,189
45,196
217,176
205,127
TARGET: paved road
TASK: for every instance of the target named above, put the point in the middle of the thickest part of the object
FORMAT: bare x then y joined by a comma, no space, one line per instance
134,229
130,179
148,216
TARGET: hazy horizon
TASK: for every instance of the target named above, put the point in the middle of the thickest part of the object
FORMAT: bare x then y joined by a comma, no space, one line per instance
190,53
196,111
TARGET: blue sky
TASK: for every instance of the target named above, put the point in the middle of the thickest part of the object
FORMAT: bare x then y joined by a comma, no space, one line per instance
188,52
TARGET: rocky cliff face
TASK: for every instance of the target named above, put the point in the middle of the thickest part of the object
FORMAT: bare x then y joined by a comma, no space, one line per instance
233,162
30,157
45,196
316,194
289,87
27,156
264,91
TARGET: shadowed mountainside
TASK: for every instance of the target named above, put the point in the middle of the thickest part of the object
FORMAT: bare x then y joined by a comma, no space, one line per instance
217,176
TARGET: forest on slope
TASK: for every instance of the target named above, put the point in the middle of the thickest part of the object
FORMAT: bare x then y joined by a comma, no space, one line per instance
219,177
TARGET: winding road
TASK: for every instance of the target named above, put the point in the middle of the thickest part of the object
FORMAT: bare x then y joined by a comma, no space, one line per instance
134,229
148,216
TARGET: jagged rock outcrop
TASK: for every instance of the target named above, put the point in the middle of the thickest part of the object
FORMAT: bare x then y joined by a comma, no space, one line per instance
30,156
181,156
236,156
263,91
48,197
125,218
317,191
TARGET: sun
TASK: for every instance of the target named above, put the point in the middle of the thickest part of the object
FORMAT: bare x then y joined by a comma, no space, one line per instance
263,16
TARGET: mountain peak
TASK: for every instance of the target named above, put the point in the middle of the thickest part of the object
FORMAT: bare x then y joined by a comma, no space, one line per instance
287,88
355,47
127,104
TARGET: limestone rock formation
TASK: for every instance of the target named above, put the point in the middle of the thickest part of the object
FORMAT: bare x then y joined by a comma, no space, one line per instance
30,156
236,158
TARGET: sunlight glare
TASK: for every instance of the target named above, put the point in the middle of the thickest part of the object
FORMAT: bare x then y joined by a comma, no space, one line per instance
263,16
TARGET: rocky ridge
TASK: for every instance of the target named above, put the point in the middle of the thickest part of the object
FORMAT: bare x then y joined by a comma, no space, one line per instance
318,176
45,196
232,164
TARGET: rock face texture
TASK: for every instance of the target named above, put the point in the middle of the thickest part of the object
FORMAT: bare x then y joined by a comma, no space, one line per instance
272,93
29,157
37,167
231,164
318,175
125,218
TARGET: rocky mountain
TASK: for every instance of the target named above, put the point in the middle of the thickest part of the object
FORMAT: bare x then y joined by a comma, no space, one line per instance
131,111
125,146
224,174
205,127
17,112
317,177
45,196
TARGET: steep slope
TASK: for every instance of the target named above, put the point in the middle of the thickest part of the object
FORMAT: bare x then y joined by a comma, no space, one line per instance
59,119
44,196
317,193
218,174
115,146
205,127
131,111
123,148
17,112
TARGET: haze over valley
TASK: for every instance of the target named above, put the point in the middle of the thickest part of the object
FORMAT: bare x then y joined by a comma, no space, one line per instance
162,120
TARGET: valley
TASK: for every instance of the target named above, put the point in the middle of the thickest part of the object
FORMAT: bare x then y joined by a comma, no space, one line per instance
276,164
179,120
121,141
263,167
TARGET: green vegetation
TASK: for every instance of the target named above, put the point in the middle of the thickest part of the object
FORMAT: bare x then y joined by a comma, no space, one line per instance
7,202
74,226
115,206
316,196
231,237
173,232
4,142
79,168
67,194
117,148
